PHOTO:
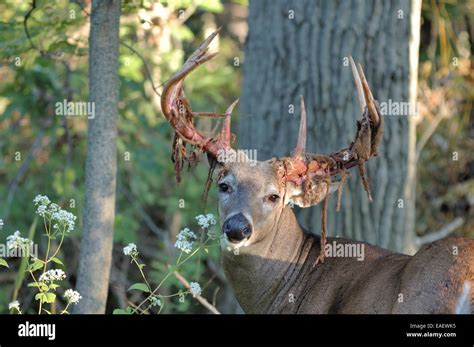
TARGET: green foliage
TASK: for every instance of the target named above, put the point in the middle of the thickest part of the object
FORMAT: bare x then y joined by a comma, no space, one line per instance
3,262
446,94
43,152
57,223
190,246
139,286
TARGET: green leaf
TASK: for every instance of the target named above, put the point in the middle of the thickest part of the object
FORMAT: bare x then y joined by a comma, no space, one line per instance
45,297
3,262
40,285
40,297
119,311
53,286
57,261
50,298
139,286
36,265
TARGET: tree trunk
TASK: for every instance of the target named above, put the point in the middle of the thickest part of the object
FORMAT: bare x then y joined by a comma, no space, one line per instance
302,48
101,162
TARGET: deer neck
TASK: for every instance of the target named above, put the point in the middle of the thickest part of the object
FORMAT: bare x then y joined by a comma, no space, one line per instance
263,274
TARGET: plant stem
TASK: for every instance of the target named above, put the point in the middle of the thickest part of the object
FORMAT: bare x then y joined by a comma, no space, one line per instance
154,291
179,257
47,250
170,272
57,249
65,309
141,271
37,286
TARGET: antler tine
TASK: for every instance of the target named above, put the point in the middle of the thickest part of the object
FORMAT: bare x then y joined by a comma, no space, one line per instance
177,109
369,97
365,145
359,86
172,88
225,132
199,53
301,144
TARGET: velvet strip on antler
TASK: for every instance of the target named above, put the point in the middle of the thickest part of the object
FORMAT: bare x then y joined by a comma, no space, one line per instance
178,112
312,172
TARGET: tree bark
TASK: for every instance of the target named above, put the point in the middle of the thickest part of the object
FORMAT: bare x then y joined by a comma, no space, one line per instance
301,48
101,162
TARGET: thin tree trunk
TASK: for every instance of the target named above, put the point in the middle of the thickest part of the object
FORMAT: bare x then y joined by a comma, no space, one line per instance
410,245
101,163
301,48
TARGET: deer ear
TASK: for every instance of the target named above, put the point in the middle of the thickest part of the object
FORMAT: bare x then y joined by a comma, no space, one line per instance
307,195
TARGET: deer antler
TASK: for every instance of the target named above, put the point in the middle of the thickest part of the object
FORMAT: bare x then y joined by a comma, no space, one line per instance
177,111
303,166
312,172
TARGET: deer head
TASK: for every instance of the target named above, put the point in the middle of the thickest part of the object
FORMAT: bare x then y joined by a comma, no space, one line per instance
252,196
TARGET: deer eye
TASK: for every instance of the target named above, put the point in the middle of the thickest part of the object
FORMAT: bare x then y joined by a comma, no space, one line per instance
273,198
223,188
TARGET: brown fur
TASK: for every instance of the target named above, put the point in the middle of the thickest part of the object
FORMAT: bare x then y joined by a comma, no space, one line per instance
275,273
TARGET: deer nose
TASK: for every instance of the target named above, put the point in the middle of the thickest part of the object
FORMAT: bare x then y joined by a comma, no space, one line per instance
237,228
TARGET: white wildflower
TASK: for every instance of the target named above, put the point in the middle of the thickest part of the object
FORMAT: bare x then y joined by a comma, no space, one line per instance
72,296
1,224
63,218
41,210
185,240
195,289
14,305
154,301
52,275
16,241
204,221
41,200
53,208
131,250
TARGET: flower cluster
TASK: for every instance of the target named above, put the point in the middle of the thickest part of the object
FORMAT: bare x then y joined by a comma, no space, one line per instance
41,200
72,296
62,218
195,289
185,240
1,224
52,275
14,305
16,241
204,221
154,301
131,250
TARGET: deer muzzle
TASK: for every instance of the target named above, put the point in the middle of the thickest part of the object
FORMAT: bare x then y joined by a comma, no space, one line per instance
237,228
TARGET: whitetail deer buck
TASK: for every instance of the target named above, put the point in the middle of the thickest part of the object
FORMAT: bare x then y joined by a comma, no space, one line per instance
279,266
